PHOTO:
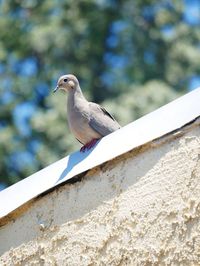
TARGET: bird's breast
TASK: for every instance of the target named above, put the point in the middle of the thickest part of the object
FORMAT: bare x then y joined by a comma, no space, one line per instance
78,119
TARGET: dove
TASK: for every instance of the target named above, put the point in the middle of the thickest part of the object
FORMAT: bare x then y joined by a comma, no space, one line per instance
88,121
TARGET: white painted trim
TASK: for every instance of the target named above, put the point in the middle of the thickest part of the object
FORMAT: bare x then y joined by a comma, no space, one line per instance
156,124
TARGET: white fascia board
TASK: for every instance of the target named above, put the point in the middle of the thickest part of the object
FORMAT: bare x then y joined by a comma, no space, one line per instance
154,125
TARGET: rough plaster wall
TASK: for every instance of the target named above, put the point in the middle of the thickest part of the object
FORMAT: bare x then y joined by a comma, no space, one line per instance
141,210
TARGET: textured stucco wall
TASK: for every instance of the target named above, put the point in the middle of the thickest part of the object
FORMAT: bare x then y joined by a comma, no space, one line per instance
140,209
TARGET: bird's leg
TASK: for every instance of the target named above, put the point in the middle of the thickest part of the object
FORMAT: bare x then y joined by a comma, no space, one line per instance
89,145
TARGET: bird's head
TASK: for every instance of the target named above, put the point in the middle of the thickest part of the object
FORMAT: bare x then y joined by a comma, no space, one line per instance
67,83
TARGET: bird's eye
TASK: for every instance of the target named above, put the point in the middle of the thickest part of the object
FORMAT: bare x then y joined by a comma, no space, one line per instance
65,80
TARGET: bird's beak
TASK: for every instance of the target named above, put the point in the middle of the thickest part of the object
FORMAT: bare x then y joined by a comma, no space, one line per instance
56,88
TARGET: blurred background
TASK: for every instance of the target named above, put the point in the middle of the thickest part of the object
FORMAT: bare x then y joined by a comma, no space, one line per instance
132,56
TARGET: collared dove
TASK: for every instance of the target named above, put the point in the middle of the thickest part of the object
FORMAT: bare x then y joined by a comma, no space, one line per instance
88,121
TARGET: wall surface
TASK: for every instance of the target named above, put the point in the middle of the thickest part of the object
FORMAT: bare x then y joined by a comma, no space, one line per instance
142,208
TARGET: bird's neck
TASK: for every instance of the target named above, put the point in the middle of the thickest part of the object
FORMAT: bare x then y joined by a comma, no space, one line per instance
75,97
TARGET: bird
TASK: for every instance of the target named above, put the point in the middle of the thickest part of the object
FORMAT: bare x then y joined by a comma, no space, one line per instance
88,121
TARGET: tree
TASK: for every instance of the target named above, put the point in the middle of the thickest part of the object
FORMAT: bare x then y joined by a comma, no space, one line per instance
130,56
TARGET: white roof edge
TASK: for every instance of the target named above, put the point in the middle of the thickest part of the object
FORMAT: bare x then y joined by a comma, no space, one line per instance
151,126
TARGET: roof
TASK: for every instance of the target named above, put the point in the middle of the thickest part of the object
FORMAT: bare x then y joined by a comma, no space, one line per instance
151,126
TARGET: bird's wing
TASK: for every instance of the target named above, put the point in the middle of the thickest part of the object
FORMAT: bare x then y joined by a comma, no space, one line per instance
80,141
101,121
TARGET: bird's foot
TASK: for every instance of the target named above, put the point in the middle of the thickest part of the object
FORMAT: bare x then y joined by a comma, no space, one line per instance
89,145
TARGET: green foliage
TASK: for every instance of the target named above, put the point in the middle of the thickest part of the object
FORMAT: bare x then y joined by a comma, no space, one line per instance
140,100
130,56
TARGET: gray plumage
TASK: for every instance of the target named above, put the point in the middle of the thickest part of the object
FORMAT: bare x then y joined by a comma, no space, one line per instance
87,120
